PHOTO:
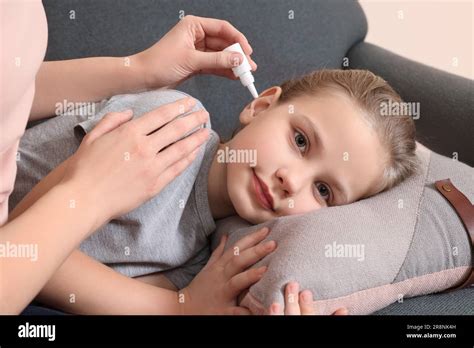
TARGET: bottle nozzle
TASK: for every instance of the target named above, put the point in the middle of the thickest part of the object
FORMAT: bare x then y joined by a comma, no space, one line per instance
253,90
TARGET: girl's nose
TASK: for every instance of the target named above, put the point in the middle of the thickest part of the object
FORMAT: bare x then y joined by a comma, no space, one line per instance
288,181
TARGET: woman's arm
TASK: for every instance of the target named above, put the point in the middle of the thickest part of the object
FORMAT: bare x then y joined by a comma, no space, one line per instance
194,45
40,226
88,80
84,286
50,180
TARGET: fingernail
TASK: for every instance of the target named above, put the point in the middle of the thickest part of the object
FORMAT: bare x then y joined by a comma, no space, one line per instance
262,270
294,287
265,231
270,245
306,296
236,59
128,112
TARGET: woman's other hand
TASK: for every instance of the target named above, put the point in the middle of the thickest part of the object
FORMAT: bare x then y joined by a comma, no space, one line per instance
119,166
193,46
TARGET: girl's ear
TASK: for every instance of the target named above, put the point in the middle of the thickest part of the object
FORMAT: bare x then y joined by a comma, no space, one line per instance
266,99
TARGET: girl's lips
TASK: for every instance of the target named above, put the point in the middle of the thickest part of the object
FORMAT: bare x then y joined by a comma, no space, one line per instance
261,192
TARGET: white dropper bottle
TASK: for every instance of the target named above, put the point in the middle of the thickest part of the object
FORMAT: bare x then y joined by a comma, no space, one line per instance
244,70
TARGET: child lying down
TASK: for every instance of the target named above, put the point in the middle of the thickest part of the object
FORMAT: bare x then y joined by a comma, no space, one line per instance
311,143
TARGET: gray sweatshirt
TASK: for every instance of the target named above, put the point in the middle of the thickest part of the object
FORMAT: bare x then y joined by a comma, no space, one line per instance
166,234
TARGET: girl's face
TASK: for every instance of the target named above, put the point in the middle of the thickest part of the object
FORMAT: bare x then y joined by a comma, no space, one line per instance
312,152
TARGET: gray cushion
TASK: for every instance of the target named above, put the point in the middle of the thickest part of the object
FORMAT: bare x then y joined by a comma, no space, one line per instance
404,242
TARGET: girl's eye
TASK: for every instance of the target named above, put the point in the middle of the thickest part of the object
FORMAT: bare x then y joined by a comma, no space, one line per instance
300,140
323,191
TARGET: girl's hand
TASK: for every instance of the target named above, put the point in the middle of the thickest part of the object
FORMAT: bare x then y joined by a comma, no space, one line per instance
215,289
295,304
193,46
119,166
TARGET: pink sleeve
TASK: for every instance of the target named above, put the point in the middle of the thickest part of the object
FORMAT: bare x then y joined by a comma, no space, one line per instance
24,34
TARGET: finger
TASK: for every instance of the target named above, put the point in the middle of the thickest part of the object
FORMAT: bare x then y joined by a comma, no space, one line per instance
210,60
237,311
173,171
158,117
244,280
341,311
224,30
242,260
219,251
110,121
216,43
216,60
181,149
177,129
253,65
292,306
245,243
306,303
226,72
275,309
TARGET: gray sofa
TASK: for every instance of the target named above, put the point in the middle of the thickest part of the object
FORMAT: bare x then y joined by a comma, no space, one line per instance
320,35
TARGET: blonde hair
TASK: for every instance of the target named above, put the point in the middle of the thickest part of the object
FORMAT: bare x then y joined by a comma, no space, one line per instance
369,92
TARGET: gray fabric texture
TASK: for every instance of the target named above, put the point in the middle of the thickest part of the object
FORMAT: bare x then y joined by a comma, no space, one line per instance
402,238
165,233
440,241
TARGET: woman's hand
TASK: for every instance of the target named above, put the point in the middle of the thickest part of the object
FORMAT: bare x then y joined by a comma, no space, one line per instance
298,303
119,166
215,289
193,46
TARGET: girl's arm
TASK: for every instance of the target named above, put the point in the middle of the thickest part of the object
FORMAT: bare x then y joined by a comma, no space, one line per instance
83,285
